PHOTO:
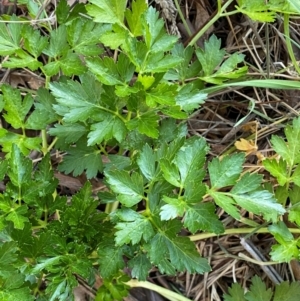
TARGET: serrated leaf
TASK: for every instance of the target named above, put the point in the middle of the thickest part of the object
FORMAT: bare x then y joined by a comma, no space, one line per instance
278,169
140,267
190,98
260,202
77,101
82,158
71,64
186,69
133,228
247,183
163,94
111,73
190,160
34,43
110,127
17,216
10,37
170,172
225,172
289,151
211,56
146,123
146,162
107,11
225,202
258,291
181,252
70,133
287,291
256,10
110,259
281,232
20,168
236,293
16,108
159,62
129,188
175,207
23,60
58,42
202,217
135,15
83,36
155,36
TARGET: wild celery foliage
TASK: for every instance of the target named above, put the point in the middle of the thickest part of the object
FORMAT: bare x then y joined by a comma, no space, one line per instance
125,109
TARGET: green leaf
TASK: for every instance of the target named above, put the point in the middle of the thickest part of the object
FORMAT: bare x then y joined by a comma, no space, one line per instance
107,11
228,70
186,69
260,202
247,183
25,144
77,101
129,188
70,133
16,108
20,168
146,162
236,293
23,60
83,36
258,291
174,208
277,169
287,248
287,292
34,43
133,228
10,37
43,113
158,62
58,42
256,10
211,56
146,123
190,98
62,11
202,217
135,16
110,127
82,158
227,171
181,252
296,175
289,151
156,38
225,202
17,217
190,160
140,267
71,64
163,94
110,259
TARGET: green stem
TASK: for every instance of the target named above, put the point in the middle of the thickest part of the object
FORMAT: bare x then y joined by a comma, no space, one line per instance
286,26
44,142
187,28
162,291
218,15
237,231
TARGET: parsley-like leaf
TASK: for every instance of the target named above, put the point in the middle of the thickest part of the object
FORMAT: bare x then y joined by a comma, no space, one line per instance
129,187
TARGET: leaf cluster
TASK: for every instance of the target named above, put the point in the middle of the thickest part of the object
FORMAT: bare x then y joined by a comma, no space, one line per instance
259,292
